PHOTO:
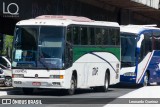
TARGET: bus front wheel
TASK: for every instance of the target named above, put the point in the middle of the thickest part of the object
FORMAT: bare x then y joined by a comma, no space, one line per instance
145,81
73,85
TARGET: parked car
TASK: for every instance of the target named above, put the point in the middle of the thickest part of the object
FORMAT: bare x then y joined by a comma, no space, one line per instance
2,76
5,69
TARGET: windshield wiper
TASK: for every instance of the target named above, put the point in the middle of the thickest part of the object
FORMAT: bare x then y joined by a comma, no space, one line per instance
47,68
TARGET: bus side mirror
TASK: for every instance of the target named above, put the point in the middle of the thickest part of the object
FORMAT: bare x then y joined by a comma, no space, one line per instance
139,43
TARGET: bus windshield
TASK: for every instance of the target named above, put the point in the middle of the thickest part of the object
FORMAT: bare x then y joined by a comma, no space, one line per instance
128,49
38,47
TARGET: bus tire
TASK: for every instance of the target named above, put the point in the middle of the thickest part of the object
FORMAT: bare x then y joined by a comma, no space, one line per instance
145,79
105,87
73,85
106,84
27,91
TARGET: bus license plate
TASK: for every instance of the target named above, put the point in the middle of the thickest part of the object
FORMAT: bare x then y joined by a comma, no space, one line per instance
36,83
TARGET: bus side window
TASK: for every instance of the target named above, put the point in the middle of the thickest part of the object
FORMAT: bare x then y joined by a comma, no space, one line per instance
91,36
76,35
156,40
148,42
3,63
100,32
117,37
112,39
106,37
157,43
146,45
84,37
69,34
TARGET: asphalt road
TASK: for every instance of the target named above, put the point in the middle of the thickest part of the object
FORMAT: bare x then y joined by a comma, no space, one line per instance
82,98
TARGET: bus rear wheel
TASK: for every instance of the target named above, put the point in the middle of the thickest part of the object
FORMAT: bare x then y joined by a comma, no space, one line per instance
105,87
106,84
27,91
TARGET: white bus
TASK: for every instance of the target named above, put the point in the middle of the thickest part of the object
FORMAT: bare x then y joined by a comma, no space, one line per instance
65,52
140,60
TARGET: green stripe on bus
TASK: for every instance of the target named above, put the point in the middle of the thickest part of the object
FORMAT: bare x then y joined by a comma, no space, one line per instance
80,51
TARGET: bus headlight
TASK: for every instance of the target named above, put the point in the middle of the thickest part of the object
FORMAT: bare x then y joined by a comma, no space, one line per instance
17,76
129,74
57,76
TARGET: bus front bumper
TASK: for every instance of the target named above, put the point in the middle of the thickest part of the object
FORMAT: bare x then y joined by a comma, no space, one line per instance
128,79
39,83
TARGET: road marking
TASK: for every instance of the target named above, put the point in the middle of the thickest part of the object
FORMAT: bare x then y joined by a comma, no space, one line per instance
1,88
144,92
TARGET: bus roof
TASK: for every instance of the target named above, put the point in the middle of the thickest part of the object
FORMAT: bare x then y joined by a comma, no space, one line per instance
59,20
136,29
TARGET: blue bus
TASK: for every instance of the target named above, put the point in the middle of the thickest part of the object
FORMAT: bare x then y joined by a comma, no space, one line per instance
140,54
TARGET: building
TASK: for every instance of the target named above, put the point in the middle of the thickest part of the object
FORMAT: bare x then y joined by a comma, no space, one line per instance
121,11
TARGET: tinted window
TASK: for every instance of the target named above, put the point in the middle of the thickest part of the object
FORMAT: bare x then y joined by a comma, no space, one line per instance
39,47
3,62
112,36
91,36
117,37
128,49
84,36
156,40
69,34
87,35
146,45
76,35
106,37
99,36
28,39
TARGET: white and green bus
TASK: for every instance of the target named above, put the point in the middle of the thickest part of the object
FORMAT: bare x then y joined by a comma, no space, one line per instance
65,52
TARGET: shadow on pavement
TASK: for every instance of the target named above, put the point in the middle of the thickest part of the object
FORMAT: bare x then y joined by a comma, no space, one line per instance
126,86
51,92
